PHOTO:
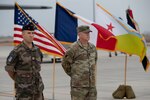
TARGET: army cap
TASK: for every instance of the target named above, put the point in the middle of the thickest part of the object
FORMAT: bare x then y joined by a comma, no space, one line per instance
83,28
29,27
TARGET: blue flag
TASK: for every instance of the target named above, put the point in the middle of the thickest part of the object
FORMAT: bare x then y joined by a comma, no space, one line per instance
65,25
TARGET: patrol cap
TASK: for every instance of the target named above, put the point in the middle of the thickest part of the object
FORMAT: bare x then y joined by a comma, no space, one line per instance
29,27
83,28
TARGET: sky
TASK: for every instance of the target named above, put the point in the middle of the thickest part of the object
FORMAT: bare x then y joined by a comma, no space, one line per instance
46,17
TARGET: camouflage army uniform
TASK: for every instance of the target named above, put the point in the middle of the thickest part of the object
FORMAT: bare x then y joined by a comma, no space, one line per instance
80,64
25,63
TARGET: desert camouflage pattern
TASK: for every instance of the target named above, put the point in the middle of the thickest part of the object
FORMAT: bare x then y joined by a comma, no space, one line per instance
79,63
25,63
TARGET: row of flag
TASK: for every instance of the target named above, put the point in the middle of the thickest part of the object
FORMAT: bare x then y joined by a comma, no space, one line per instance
109,32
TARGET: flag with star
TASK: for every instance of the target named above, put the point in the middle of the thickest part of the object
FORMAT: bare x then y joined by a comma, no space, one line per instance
128,39
105,39
42,38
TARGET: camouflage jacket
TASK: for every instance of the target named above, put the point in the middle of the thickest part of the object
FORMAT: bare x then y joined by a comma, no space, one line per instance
25,62
80,64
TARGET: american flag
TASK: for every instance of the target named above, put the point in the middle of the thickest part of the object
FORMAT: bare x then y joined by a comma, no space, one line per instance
42,38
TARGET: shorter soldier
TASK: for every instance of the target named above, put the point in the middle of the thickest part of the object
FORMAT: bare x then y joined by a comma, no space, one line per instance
23,66
79,62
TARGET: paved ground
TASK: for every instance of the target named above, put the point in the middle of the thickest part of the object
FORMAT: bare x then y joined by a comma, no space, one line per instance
110,74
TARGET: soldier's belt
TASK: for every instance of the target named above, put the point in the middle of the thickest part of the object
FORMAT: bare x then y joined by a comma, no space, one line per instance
22,71
25,73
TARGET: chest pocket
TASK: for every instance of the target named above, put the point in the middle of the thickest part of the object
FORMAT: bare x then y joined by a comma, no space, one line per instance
81,54
36,56
91,53
25,57
36,60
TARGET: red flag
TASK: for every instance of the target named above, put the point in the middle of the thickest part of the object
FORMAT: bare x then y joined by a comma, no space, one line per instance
105,39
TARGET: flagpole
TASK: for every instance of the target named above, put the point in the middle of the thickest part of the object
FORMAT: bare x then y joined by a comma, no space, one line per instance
14,91
125,71
54,61
93,10
94,21
53,93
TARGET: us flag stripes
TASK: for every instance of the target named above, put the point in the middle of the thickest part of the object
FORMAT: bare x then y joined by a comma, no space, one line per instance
43,39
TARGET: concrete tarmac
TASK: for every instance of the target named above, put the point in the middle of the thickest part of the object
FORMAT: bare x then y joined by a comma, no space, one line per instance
110,74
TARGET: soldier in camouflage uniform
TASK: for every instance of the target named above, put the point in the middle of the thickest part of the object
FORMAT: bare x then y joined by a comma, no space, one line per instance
79,63
23,66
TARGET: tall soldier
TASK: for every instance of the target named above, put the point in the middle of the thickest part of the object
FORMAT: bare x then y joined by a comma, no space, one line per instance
79,63
23,66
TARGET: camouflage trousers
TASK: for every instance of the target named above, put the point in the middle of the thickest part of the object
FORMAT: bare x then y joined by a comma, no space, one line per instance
30,97
83,93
